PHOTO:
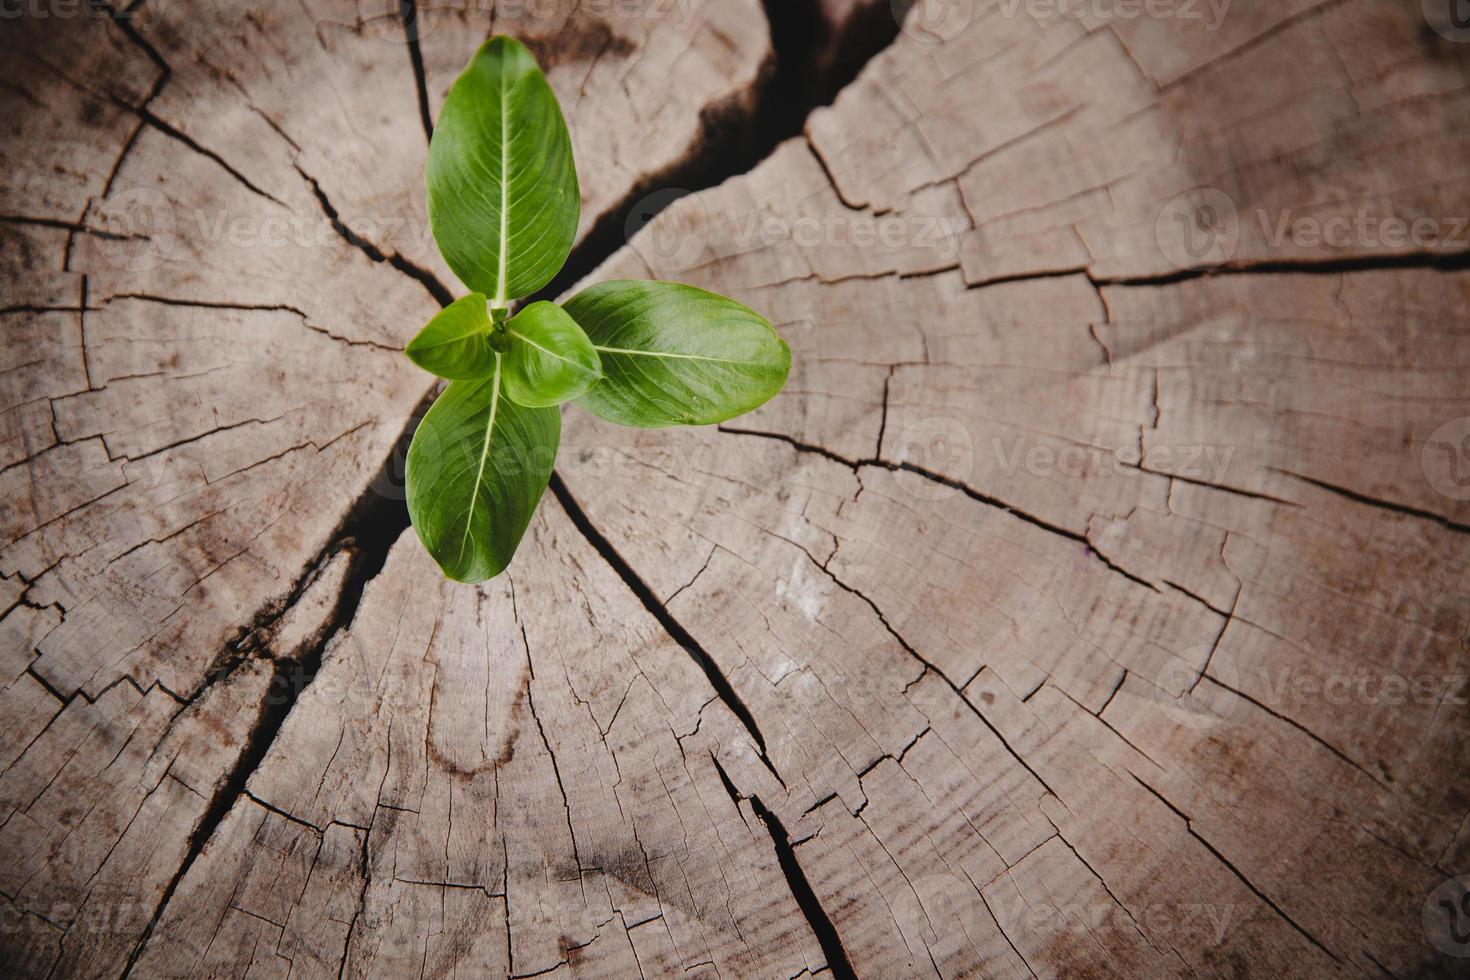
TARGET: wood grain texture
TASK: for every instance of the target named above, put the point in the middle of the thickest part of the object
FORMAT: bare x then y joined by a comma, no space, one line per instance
1093,601
215,247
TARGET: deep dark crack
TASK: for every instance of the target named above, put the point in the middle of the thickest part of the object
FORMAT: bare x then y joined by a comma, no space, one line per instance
660,612
1391,506
806,897
408,10
734,137
733,140
424,277
366,534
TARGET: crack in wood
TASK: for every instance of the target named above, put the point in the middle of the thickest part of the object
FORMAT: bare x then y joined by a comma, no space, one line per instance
665,619
806,897
801,889
253,643
374,532
146,114
1445,260
857,464
1391,506
408,12
431,283
368,531
736,137
1230,866
248,307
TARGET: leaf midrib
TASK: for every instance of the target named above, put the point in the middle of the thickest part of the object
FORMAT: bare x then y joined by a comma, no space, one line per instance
500,285
682,357
545,350
478,330
469,517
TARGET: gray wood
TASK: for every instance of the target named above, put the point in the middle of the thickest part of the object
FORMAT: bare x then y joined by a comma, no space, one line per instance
1089,604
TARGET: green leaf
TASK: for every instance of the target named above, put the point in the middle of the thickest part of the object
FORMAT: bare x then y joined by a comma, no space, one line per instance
502,187
477,466
550,359
676,355
456,344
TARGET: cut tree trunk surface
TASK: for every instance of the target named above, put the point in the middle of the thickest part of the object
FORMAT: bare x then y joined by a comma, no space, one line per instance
1094,601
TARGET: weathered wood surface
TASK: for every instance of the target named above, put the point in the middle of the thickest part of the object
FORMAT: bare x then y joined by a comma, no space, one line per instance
204,213
1094,600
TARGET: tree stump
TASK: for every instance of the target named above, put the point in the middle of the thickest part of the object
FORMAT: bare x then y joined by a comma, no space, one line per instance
1094,600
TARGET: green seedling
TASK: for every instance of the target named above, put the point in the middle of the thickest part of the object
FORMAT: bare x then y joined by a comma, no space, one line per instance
503,207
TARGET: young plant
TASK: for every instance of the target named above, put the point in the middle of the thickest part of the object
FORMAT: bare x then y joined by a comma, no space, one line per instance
503,207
